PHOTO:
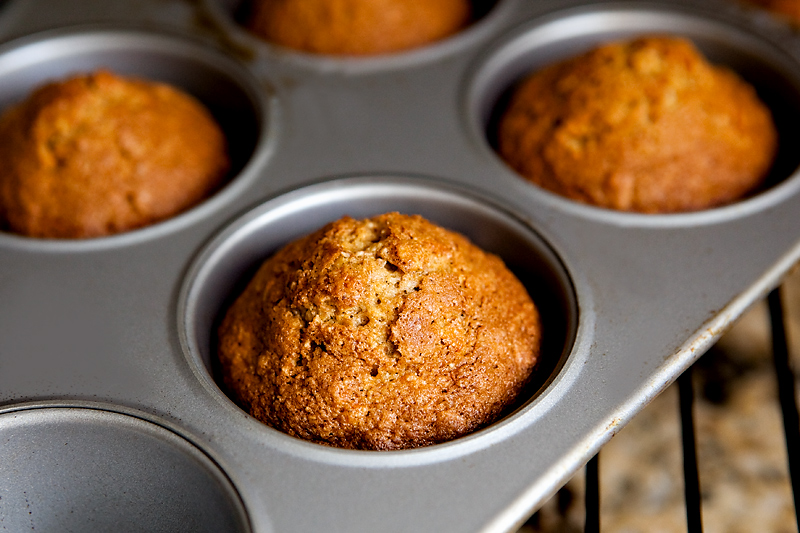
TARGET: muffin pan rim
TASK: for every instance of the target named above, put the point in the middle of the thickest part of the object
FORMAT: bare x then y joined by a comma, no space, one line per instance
511,46
117,410
21,53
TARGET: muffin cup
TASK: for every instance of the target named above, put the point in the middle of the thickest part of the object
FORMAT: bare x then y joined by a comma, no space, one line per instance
565,34
228,90
83,468
226,265
227,18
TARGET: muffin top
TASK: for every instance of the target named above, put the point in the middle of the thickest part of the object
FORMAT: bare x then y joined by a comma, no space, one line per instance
356,27
645,125
384,333
98,154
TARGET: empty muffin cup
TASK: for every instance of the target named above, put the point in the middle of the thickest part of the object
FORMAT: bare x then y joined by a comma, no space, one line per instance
86,469
222,269
562,35
221,85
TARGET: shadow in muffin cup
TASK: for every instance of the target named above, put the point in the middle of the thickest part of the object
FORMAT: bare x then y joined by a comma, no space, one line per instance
723,41
225,266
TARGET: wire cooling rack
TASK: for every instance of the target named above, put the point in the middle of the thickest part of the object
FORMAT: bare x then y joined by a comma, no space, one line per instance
785,397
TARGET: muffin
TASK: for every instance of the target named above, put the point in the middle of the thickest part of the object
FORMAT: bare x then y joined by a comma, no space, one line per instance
99,154
646,125
356,27
379,334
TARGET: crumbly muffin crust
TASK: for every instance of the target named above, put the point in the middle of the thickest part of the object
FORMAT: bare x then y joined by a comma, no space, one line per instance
646,125
384,333
99,154
356,27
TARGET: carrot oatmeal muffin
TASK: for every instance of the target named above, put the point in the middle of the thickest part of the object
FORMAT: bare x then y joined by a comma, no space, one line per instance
356,27
384,333
646,125
98,154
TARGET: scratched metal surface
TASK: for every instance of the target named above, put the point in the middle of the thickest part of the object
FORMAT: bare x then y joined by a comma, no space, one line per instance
114,333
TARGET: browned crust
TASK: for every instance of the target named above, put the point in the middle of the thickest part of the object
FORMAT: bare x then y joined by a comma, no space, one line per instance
381,334
646,125
99,154
356,27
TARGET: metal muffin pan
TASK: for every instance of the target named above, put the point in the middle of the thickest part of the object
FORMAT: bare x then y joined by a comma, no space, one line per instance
116,330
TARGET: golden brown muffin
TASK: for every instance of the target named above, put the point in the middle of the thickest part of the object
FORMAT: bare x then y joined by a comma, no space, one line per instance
382,333
646,125
356,27
99,154
787,8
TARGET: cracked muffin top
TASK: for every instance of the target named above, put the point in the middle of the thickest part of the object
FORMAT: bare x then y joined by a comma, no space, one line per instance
99,154
356,27
646,125
384,333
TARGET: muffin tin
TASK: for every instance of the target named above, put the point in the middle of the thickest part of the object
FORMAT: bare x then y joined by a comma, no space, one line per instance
109,408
